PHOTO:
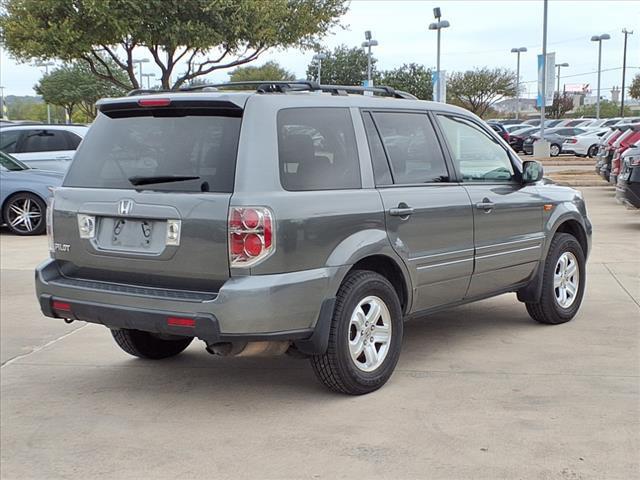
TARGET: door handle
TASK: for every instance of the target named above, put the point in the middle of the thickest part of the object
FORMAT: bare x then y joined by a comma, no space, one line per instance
402,210
486,205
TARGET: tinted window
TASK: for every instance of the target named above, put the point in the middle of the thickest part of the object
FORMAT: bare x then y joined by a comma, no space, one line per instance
478,155
9,140
411,145
317,149
381,170
43,141
202,145
73,140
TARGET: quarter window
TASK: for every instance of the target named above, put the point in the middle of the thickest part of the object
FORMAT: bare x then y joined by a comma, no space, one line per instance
317,149
412,148
381,171
477,154
9,140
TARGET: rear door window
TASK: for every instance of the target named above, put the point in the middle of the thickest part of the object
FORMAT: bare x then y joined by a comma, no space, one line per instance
174,142
317,149
44,141
412,147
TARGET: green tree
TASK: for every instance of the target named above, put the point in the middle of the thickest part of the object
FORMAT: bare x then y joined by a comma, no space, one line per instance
634,88
75,86
561,105
607,110
411,78
204,35
478,89
343,66
268,71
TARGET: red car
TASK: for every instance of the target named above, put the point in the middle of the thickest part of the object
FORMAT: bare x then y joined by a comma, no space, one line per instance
632,136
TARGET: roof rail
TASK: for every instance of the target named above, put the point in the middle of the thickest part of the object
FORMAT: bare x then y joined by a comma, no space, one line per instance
284,86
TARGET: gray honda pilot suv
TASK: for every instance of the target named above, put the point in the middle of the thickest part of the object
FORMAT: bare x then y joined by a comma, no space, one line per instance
299,218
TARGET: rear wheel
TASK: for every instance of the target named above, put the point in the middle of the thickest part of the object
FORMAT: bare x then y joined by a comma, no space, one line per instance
150,345
365,336
563,282
24,214
554,150
593,151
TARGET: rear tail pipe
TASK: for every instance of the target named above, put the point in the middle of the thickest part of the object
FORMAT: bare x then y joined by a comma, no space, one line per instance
249,349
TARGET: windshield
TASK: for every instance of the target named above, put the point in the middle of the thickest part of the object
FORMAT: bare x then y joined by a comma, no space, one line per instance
11,164
200,147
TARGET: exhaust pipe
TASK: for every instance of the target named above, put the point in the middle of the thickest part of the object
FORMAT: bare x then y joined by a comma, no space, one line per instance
248,349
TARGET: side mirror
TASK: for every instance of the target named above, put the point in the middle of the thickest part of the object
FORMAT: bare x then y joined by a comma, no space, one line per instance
531,171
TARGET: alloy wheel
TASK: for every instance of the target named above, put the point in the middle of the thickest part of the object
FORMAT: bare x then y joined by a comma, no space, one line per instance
566,279
369,333
24,214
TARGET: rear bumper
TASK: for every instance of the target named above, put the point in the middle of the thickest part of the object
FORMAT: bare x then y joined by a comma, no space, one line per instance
284,306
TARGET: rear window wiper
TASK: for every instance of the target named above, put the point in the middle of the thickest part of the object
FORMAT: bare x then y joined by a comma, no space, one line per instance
137,181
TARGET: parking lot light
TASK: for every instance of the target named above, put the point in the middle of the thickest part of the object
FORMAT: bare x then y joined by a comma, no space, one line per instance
558,66
368,43
438,25
46,66
518,51
599,39
318,58
140,61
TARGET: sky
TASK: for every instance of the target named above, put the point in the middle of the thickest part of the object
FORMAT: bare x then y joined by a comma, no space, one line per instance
482,33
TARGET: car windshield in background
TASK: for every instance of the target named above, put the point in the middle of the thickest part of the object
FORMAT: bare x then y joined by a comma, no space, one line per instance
11,164
199,149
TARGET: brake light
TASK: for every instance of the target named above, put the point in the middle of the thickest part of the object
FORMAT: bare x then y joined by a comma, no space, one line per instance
250,235
154,102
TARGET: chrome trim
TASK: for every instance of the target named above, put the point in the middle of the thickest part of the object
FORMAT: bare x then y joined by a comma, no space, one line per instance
532,239
453,254
424,267
509,252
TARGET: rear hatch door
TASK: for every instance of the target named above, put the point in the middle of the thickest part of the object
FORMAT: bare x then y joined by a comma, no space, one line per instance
146,198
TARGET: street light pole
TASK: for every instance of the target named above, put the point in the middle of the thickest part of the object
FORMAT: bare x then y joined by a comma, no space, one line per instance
148,76
46,66
518,51
438,26
544,71
624,68
368,44
599,39
140,61
318,57
558,66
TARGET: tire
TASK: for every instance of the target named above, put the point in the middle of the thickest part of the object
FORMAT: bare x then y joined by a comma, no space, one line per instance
337,368
148,345
554,148
25,214
550,309
593,151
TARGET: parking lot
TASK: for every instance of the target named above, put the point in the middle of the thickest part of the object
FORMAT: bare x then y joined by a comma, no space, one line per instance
481,391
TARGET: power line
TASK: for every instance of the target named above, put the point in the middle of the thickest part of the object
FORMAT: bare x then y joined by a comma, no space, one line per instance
584,73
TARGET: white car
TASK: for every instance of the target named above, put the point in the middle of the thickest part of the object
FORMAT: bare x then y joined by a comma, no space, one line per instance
584,144
46,147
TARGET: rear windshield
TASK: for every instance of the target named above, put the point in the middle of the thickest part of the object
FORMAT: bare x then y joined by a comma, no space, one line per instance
172,145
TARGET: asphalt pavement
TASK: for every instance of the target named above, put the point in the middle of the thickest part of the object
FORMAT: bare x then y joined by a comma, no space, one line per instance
481,392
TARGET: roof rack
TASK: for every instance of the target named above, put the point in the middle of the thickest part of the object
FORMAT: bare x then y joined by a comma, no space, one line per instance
279,86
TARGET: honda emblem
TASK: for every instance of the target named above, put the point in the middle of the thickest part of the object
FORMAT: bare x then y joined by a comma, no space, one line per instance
125,207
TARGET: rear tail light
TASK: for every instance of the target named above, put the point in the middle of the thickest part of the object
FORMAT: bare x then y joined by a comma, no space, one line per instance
251,235
571,140
634,161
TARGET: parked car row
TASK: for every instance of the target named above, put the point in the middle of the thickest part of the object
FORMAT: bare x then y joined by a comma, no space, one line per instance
618,161
580,137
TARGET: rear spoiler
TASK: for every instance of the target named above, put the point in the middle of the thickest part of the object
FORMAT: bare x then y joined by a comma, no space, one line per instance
168,106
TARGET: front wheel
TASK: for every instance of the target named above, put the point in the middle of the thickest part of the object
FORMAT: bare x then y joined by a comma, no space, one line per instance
150,345
563,282
365,336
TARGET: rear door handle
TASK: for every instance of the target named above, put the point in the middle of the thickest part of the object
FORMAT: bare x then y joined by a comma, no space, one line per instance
402,210
485,205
